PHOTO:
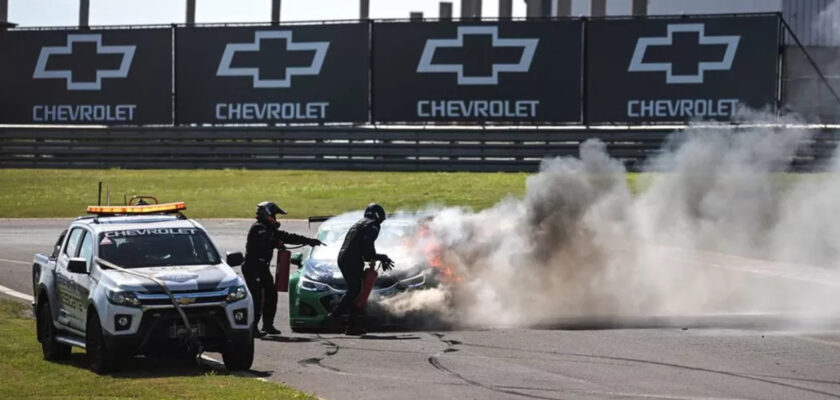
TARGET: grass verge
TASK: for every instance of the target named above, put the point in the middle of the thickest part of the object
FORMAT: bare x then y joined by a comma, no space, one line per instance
234,193
46,193
27,376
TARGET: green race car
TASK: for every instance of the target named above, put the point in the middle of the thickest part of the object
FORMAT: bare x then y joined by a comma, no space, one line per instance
317,286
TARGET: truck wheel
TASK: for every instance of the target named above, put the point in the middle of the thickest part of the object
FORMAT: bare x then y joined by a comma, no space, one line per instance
239,355
52,349
102,359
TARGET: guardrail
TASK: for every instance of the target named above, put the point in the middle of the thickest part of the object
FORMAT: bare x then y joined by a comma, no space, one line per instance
345,148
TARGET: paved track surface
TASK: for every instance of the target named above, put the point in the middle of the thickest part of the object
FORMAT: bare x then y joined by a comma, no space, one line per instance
724,357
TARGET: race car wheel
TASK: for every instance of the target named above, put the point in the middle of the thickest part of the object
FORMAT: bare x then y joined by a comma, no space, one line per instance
239,355
52,349
102,359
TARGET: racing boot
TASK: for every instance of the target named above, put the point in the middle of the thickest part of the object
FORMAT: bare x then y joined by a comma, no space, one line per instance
257,333
270,330
354,327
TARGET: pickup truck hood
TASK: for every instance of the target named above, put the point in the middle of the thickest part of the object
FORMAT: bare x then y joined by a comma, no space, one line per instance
176,278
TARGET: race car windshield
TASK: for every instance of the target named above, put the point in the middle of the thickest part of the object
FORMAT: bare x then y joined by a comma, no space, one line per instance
138,248
394,237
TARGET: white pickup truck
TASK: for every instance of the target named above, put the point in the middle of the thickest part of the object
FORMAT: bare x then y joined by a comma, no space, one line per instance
140,280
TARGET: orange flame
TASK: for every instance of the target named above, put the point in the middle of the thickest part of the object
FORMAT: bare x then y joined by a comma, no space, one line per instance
433,252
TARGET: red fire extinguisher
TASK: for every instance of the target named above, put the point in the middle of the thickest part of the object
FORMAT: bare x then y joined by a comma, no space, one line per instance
368,279
281,274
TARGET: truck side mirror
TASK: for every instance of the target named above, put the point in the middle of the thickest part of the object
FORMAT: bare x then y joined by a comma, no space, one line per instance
297,258
234,259
77,265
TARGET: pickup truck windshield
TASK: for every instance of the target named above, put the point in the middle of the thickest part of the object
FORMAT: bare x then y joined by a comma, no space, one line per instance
138,248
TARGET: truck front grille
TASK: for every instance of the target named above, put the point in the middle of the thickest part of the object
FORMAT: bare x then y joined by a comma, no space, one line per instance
183,298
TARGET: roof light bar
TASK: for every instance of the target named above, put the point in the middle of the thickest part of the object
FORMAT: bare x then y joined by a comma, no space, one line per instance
137,210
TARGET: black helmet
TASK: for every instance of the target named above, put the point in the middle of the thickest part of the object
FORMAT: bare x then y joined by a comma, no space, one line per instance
266,212
375,212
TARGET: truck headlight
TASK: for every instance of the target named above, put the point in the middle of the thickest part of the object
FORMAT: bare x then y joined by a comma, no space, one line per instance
236,293
121,298
312,286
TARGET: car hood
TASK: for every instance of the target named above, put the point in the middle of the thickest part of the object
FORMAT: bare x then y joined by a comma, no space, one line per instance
327,271
176,278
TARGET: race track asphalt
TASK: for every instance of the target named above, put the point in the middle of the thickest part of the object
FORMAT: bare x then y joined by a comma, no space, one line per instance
713,357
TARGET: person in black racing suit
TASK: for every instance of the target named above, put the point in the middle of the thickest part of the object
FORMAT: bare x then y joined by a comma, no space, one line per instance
358,248
263,238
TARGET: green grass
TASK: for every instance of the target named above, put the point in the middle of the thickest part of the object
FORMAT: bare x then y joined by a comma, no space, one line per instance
234,193
27,376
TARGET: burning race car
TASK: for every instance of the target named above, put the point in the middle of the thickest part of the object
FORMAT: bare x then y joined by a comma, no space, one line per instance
317,286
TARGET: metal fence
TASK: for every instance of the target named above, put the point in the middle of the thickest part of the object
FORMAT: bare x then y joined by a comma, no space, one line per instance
404,149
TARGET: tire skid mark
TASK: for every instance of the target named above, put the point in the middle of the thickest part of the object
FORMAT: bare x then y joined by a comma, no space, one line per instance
751,377
791,378
381,350
332,349
434,360
538,370
316,362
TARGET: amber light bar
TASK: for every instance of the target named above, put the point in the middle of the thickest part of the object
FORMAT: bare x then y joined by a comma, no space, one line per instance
147,209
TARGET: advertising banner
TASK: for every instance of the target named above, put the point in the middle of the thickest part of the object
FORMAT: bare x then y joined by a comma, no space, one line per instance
474,72
272,74
90,77
676,70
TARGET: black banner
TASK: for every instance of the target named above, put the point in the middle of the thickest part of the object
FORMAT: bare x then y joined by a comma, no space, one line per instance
676,70
525,72
112,77
263,74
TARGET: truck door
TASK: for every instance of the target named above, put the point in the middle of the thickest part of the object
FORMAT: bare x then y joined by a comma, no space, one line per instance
63,277
82,282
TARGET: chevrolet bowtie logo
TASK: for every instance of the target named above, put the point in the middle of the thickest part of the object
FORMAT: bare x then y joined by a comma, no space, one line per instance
186,300
314,68
528,46
637,63
41,71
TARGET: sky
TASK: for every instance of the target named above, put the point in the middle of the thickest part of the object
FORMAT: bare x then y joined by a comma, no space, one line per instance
136,12
129,12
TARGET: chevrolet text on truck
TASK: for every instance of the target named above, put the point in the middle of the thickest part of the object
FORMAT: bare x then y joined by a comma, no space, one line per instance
140,279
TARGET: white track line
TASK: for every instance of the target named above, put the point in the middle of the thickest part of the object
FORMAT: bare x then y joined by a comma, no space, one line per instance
15,293
12,292
14,261
220,364
820,341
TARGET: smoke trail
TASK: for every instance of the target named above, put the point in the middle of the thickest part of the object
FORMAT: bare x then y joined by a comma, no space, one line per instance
717,233
718,226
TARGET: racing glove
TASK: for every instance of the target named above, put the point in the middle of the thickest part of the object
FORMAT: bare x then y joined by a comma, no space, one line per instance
387,262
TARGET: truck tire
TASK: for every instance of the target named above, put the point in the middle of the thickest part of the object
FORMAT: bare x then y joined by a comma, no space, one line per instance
102,359
239,355
52,349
